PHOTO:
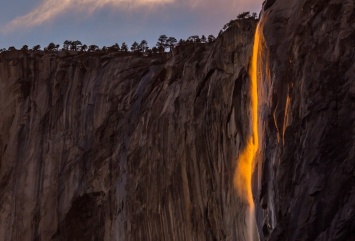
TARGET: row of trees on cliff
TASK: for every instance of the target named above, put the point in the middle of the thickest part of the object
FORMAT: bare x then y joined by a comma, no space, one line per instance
164,42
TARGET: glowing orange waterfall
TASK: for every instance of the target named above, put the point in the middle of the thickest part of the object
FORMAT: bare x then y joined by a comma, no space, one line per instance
245,162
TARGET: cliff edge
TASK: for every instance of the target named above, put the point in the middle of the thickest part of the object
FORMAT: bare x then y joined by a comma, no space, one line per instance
98,147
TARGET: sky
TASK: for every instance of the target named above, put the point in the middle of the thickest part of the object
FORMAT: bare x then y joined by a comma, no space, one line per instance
106,22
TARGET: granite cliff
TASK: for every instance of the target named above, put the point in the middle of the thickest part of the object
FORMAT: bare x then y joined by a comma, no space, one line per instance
306,167
127,147
132,147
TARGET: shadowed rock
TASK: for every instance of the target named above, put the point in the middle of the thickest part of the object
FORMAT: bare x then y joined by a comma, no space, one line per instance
98,147
307,190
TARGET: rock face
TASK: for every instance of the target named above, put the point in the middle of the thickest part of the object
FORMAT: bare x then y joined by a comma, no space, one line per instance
307,164
129,147
100,147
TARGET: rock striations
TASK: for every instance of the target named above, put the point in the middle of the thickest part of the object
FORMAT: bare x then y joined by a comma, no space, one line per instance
100,147
307,93
127,147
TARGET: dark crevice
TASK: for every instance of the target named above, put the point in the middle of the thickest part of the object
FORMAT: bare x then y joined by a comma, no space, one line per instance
203,83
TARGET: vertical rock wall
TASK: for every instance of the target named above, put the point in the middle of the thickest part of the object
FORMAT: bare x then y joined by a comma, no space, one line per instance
96,147
307,161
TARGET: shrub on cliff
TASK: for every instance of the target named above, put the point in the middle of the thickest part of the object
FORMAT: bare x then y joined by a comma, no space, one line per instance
114,48
24,48
93,48
211,38
36,48
12,48
243,15
84,47
52,47
247,15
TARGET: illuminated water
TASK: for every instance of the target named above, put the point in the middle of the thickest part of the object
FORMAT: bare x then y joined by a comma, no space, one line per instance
245,162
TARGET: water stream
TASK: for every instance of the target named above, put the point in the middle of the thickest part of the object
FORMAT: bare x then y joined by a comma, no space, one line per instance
246,159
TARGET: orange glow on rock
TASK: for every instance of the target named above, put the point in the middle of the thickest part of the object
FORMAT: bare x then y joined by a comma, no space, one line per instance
245,162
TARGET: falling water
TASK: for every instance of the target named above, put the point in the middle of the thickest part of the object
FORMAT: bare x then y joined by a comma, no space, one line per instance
245,162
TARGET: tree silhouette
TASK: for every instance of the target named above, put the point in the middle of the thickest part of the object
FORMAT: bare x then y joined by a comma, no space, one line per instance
225,27
52,47
181,42
24,48
243,15
135,47
36,47
194,39
75,45
203,39
93,48
211,38
67,44
162,39
155,50
114,48
124,47
84,47
12,48
143,46
161,44
171,42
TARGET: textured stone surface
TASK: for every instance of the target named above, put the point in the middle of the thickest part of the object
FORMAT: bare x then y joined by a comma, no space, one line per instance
129,147
307,190
124,148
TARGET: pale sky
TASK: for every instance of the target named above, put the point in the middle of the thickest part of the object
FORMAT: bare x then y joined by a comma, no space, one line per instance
105,22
